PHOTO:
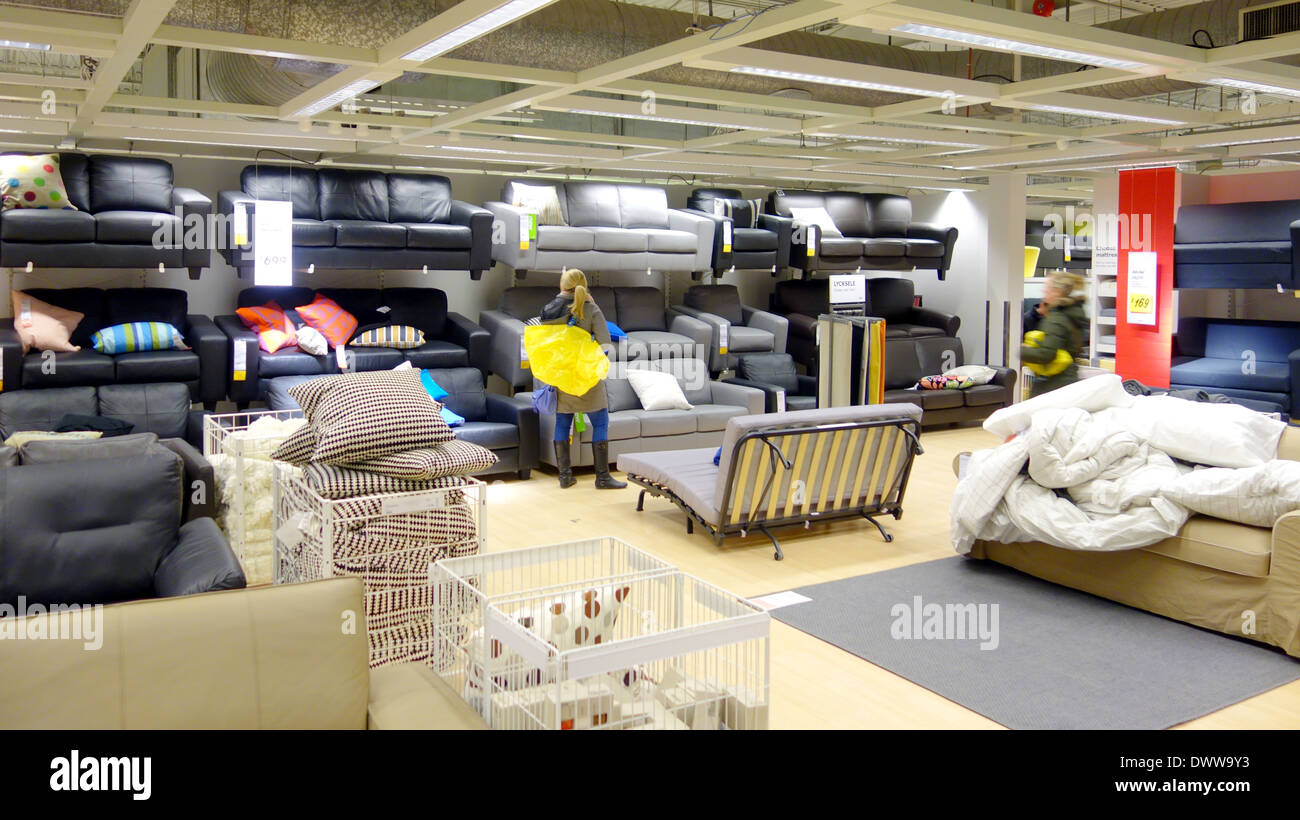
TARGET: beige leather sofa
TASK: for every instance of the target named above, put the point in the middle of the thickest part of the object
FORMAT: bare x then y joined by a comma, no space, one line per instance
1231,578
272,657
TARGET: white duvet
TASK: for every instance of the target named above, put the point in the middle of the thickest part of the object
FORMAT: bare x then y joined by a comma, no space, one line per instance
1099,462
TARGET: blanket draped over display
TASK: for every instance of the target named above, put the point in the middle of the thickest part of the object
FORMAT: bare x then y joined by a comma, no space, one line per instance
1099,463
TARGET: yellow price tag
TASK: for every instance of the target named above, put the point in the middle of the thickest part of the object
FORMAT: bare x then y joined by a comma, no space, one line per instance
1140,303
238,375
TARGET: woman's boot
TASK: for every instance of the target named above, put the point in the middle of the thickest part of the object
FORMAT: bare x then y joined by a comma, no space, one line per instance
564,465
600,455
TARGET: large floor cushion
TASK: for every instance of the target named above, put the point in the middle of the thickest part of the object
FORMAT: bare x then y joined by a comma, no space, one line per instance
1207,372
691,474
1222,545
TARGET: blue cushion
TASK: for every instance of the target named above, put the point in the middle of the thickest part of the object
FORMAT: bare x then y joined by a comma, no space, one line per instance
1219,275
615,332
717,457
1270,342
451,418
1269,377
1268,402
432,387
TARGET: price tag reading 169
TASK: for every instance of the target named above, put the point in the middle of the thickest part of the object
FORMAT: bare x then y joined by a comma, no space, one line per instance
1140,303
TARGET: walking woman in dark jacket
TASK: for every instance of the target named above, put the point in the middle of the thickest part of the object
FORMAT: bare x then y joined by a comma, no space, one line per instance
575,301
1050,349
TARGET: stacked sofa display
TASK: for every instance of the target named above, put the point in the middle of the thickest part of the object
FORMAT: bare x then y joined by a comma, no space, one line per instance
736,330
1237,245
345,219
758,241
1254,362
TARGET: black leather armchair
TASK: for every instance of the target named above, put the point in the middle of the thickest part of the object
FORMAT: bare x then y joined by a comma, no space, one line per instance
774,374
503,424
129,215
345,219
77,532
757,242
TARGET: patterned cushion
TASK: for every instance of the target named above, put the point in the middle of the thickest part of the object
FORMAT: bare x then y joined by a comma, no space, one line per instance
273,328
33,182
455,457
401,337
297,448
361,416
134,337
330,481
333,322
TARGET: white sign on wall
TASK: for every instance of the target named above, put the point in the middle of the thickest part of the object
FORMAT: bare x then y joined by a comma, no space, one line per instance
849,289
273,243
1141,288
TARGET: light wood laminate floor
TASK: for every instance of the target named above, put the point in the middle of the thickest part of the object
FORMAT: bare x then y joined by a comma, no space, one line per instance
814,685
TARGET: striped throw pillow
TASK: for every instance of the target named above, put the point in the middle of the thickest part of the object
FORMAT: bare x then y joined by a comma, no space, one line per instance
401,337
134,337
333,322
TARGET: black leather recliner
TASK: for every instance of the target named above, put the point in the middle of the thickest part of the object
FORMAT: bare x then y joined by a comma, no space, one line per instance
202,368
123,204
346,219
758,242
451,340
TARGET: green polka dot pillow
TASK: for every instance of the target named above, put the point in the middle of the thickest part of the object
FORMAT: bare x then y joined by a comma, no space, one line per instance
33,182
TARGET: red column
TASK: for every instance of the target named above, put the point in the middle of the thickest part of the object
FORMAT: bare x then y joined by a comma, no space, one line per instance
1146,198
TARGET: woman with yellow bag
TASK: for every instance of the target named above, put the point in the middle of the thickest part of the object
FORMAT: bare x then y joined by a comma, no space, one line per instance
575,306
1049,350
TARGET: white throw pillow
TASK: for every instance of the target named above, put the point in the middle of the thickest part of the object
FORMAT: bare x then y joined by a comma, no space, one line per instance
311,341
977,373
816,216
541,200
406,365
1257,496
658,391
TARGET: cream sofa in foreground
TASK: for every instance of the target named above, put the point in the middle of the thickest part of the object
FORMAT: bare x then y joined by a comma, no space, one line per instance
270,657
1231,578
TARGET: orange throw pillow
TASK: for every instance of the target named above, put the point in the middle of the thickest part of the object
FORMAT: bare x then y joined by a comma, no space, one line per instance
273,328
333,322
43,326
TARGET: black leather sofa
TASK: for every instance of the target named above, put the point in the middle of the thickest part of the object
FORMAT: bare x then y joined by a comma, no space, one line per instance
346,219
202,368
758,242
105,530
122,203
1238,245
773,373
877,233
451,340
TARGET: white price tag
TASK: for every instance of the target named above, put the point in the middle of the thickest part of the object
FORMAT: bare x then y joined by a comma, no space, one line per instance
241,224
1142,288
722,338
407,504
525,228
341,357
25,311
290,532
273,250
385,309
780,401
812,240
726,236
523,354
2,372
239,368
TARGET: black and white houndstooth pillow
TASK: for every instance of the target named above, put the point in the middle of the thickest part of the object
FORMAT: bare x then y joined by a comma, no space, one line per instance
332,481
455,457
297,448
361,416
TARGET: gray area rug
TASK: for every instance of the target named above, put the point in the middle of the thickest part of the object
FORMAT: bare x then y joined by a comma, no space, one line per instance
1056,658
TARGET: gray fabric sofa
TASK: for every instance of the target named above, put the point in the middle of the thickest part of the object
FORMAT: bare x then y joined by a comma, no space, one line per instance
747,329
652,331
634,430
606,227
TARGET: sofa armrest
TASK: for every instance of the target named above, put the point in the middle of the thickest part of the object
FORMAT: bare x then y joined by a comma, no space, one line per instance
1008,380
1285,564
801,326
412,696
784,227
939,233
519,412
694,329
11,358
211,345
700,225
946,322
226,201
201,561
506,234
459,330
721,259
807,385
716,325
479,221
738,395
778,326
507,337
245,390
770,392
194,428
200,490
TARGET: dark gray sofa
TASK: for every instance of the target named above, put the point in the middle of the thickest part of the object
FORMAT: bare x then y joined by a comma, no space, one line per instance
747,329
122,202
909,359
762,245
1237,245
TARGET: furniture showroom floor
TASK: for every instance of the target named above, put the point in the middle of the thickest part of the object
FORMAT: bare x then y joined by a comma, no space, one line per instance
814,685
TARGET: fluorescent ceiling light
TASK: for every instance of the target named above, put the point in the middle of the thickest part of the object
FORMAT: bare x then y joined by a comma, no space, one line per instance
844,81
22,44
1101,115
905,140
345,93
1255,141
1002,44
1247,85
495,19
657,118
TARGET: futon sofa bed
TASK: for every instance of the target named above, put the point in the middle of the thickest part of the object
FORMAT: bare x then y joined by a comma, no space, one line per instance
1244,359
1237,245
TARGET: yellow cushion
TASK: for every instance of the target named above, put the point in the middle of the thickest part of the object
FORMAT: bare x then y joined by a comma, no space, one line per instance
1222,545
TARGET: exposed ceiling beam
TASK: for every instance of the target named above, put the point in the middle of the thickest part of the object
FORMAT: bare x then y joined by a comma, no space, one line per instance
139,24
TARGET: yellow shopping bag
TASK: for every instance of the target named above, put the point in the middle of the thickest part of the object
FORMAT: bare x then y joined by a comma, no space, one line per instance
566,357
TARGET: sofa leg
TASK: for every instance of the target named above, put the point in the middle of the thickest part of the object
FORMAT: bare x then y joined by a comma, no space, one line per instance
943,274
194,273
525,474
210,406
475,275
690,526
640,502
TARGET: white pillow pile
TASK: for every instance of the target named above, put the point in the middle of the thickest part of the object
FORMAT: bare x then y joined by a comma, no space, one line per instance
977,373
658,391
1257,496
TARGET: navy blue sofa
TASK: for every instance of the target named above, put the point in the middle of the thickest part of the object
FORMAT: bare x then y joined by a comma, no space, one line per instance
1240,358
1237,245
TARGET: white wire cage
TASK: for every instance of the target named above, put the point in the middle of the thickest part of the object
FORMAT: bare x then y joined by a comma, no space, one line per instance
596,634
389,540
239,447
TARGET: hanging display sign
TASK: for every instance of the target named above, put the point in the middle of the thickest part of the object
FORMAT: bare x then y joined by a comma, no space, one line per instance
848,294
1142,285
273,243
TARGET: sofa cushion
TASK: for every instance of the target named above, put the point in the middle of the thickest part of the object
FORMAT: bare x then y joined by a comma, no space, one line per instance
938,354
312,233
836,246
437,353
884,247
712,418
891,298
983,395
912,331
753,239
1267,341
31,225
564,238
902,364
157,366
466,395
352,195
642,206
429,235
494,435
284,183
1236,222
666,422
130,184
83,367
620,395
525,303
744,339
638,309
292,362
163,409
618,240
424,308
606,300
591,204
661,240
889,214
75,170
366,359
418,198
720,300
134,227
1222,545
168,305
358,233
656,344
691,473
1268,376
624,425
924,248
800,403
1233,253
42,409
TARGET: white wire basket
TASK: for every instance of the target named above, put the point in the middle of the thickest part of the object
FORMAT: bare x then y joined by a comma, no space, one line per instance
389,540
596,634
239,447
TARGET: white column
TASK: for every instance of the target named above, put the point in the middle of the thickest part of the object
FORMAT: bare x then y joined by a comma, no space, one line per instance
1004,203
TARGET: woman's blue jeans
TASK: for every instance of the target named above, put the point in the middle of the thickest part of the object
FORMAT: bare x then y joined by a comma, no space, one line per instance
599,425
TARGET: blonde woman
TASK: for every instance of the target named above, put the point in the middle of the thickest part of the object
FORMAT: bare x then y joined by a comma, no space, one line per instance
574,303
1050,349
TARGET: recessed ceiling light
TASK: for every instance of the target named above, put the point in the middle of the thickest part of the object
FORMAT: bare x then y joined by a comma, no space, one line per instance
345,93
495,19
1246,85
1102,115
1003,44
842,81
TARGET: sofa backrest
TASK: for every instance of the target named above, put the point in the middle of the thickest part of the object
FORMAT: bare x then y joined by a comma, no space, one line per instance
902,364
889,298
418,198
270,657
702,199
75,170
692,376
619,393
286,296
809,297
147,305
508,193
1236,222
602,204
888,214
846,208
524,303
638,309
1234,339
130,184
938,353
720,300
284,183
162,409
467,397
88,301
605,299
353,195
42,409
422,308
